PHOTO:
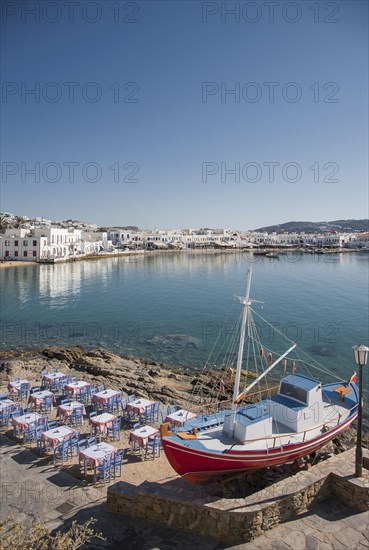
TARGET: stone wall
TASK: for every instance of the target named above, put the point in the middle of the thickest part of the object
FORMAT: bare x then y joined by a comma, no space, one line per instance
192,509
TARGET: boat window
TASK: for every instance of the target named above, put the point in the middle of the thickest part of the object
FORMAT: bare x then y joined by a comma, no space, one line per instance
294,392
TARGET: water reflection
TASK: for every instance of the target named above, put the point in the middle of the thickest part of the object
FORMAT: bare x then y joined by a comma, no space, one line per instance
139,304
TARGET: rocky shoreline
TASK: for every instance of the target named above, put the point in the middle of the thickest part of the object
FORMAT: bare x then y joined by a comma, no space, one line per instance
125,373
198,390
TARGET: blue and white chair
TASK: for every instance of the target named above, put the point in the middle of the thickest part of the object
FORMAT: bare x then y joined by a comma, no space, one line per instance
113,431
117,462
103,470
61,451
153,447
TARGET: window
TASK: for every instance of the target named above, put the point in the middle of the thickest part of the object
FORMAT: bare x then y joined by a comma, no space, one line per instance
7,243
6,253
16,253
34,253
34,243
25,253
294,392
25,243
16,243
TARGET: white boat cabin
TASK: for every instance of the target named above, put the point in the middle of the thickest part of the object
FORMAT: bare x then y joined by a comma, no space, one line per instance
298,406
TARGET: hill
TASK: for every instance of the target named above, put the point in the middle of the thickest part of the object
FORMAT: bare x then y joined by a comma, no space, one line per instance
318,227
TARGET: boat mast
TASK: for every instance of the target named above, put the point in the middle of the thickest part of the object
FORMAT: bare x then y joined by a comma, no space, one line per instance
246,304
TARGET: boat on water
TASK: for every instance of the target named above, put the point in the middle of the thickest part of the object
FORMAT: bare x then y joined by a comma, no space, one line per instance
295,422
272,255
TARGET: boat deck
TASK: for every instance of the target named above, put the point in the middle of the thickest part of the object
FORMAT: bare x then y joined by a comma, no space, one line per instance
210,434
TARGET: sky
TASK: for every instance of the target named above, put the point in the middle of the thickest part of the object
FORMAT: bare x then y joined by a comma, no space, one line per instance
177,114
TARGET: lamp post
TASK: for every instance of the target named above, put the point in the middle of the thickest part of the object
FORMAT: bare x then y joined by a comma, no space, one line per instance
361,357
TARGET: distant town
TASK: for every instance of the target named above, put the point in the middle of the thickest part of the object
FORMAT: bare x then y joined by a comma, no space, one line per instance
42,240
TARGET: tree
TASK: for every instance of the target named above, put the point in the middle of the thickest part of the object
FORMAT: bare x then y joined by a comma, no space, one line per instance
17,536
19,222
4,222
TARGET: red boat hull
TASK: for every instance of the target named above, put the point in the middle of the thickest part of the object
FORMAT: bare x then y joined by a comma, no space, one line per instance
199,466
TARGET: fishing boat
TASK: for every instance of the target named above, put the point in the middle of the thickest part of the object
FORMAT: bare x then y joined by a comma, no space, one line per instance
293,423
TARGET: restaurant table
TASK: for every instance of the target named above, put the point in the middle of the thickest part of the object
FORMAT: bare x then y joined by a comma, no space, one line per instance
103,397
6,404
37,397
66,410
101,421
53,376
178,418
55,436
14,387
142,435
75,387
95,454
22,422
138,406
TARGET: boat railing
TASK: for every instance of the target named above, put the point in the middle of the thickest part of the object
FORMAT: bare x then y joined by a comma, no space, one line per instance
220,406
324,426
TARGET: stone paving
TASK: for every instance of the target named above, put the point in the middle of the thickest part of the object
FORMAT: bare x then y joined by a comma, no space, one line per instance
55,497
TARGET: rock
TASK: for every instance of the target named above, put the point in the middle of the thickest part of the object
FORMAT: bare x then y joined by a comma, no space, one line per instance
323,351
69,354
154,372
179,340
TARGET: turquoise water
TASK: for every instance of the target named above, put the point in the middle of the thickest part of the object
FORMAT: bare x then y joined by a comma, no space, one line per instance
169,307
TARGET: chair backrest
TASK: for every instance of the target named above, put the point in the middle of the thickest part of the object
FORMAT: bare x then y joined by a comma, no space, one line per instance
91,441
55,369
123,403
117,423
82,444
100,388
43,424
53,424
131,398
36,389
73,439
164,413
15,414
77,413
31,427
157,440
39,431
137,425
64,445
92,414
65,401
119,456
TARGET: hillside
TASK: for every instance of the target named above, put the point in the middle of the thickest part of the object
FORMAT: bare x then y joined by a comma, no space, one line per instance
318,227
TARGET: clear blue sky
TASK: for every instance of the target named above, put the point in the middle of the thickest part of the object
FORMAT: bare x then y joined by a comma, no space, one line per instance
177,122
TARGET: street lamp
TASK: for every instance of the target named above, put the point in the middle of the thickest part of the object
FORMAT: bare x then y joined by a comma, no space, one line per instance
361,358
